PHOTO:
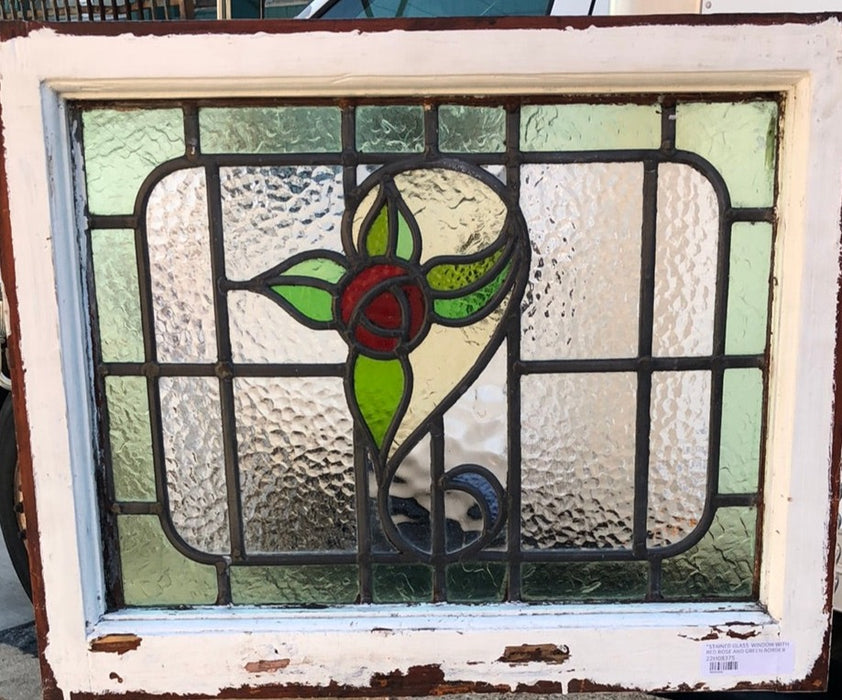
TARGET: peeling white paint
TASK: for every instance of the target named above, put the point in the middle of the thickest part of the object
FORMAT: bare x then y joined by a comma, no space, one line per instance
204,651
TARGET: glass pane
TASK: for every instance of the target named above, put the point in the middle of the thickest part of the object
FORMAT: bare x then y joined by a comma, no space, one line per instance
358,9
739,139
584,281
476,582
577,464
298,585
118,300
261,331
130,438
748,288
721,565
390,128
742,407
678,454
191,416
270,129
121,148
464,129
154,572
685,273
295,441
585,581
402,583
588,127
182,292
271,213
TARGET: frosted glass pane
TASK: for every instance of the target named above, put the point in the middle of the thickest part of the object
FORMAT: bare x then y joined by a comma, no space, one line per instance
270,129
130,438
678,453
742,406
300,585
121,148
262,331
577,442
270,214
583,127
179,258
685,271
154,572
585,581
295,441
739,139
464,129
117,295
584,281
476,582
721,565
748,289
391,128
190,414
402,583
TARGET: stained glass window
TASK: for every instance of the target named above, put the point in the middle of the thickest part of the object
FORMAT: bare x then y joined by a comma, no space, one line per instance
466,351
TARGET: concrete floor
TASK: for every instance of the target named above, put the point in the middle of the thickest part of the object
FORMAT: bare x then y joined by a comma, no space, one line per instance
19,674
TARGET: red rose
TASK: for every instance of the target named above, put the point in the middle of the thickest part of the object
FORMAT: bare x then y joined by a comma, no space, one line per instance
383,307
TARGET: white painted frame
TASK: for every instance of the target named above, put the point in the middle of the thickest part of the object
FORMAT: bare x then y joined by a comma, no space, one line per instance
639,646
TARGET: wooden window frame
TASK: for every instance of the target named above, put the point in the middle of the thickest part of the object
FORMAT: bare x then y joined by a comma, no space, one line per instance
394,650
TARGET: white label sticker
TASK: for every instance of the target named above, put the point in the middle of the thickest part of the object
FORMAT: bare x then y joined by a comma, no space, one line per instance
747,658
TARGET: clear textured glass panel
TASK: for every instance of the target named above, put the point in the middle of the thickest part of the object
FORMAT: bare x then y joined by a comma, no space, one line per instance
748,288
298,585
402,583
742,406
740,141
721,565
154,572
191,416
390,128
476,582
261,331
585,581
584,281
678,454
130,438
117,295
271,213
584,127
465,129
121,148
295,443
577,463
270,129
182,293
685,267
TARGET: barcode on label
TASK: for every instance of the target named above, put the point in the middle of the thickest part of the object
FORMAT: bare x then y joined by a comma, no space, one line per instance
720,666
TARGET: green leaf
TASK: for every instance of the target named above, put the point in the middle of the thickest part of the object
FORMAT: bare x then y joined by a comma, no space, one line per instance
405,243
313,303
379,387
470,304
453,276
377,236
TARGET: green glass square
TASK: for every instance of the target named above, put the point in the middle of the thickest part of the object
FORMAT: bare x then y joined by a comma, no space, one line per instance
476,582
402,583
130,438
585,581
295,585
390,129
468,129
742,413
748,288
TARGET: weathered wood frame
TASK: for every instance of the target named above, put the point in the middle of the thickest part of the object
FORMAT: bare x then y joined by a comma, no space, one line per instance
252,652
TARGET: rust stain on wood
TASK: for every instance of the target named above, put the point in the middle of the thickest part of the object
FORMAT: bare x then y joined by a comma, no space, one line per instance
115,677
266,665
541,653
116,643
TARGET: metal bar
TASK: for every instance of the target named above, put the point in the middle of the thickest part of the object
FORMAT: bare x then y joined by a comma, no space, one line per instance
644,370
438,516
225,375
636,364
513,478
154,369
